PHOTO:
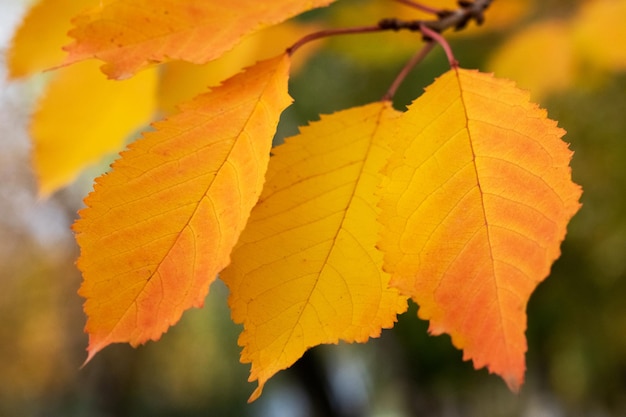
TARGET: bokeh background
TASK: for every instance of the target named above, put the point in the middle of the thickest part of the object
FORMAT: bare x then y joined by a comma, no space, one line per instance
572,59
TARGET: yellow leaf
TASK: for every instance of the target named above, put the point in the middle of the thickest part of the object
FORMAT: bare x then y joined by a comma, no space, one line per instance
181,81
475,208
82,116
132,34
38,42
306,270
600,33
161,225
540,58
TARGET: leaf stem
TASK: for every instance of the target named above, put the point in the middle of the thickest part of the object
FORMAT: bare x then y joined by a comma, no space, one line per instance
332,32
416,59
436,36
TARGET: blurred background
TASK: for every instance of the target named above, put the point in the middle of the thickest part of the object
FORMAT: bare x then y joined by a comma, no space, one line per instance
570,54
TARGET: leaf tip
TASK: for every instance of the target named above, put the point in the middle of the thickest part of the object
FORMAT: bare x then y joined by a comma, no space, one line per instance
256,394
91,352
513,382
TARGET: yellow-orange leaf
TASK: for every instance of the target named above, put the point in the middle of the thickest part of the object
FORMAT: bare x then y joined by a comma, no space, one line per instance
131,34
476,205
161,225
83,116
37,44
306,270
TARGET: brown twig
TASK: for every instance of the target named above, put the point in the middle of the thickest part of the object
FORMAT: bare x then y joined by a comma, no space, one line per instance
331,32
430,29
460,17
457,19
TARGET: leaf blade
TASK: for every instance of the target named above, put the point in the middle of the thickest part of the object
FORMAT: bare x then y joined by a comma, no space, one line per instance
37,43
475,209
128,35
161,225
65,143
306,270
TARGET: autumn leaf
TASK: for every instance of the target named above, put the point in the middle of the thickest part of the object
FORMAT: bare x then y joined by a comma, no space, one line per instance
475,208
37,43
306,270
160,226
71,130
132,34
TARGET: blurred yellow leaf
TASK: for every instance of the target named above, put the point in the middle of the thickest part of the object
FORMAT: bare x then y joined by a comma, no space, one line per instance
82,116
554,55
540,58
600,33
306,270
37,43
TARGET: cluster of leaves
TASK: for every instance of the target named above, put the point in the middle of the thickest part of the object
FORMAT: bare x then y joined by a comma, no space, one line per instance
460,202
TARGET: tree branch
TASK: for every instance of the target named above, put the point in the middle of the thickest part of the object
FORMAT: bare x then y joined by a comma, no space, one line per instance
331,32
430,29
446,19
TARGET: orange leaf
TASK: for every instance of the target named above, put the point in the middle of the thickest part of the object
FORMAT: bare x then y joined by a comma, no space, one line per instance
72,129
132,34
37,44
306,270
162,224
477,203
